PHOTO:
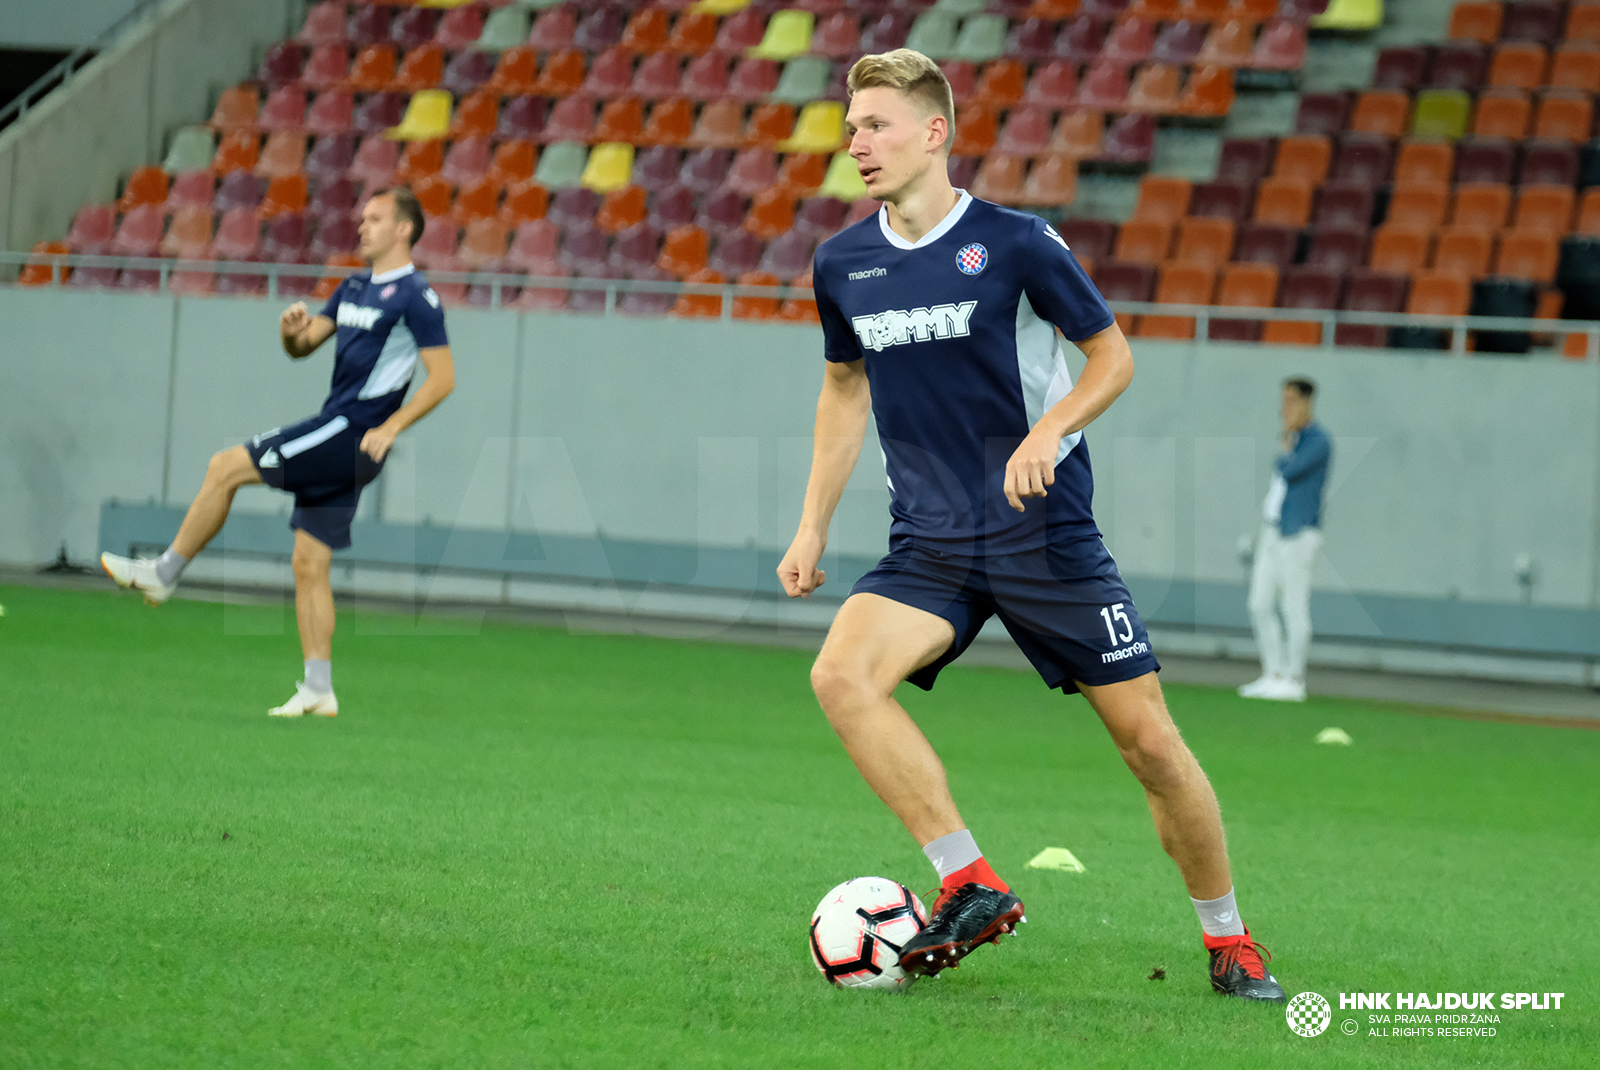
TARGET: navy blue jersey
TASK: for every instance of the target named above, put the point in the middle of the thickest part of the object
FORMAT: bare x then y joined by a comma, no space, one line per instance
958,334
383,321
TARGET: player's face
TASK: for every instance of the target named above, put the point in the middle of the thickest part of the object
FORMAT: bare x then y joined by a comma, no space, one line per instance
380,228
1296,409
892,144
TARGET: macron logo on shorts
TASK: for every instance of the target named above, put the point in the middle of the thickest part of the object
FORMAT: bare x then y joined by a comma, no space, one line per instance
897,327
358,316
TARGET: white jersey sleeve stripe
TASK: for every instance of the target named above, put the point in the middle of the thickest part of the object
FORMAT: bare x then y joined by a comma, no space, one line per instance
394,365
1042,368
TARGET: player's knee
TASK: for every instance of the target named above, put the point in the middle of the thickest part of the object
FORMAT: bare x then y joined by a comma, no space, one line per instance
1155,754
839,686
308,566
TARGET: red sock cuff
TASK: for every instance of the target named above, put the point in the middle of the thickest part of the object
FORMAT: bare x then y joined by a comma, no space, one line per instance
978,872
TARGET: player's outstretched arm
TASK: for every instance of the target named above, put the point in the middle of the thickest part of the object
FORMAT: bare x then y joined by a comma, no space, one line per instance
842,412
1109,370
302,332
441,379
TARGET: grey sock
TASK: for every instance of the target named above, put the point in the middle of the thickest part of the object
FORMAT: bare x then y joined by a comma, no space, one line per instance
1220,916
953,852
169,566
319,676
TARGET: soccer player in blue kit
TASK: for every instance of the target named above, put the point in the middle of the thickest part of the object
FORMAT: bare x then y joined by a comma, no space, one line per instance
939,315
388,320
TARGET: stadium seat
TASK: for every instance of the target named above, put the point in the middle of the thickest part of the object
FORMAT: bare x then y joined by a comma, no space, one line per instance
1321,114
803,80
238,235
1350,16
283,154
1336,248
1163,198
1459,65
438,250
771,213
1088,239
1477,20
419,160
1400,67
933,34
610,75
1281,47
1365,158
1002,85
1548,162
334,196
1303,287
1130,140
189,235
1027,131
434,194
333,112
648,31
324,24
412,29
671,123
239,189
1208,94
600,30
685,251
736,253
658,76
1144,241
720,126
634,251
478,198
744,30
802,173
1000,178
535,247
700,306
192,188
367,25
584,248
1482,204
1303,158
236,110
521,119
788,256
694,33
1589,213
1398,251
1229,43
1052,180
609,167
335,236
285,109
706,77
1441,113
477,115
525,202
1054,85
1344,203
1207,241
1283,201
1222,199
327,68
562,165
1104,87
1368,291
963,79
1564,116
572,119
1485,160
1576,66
422,68
1079,133
483,244
819,129
1502,113
236,152
1424,161
1463,250
1266,243
1129,42
1029,41
147,185
375,161
1540,21
553,30
1244,285
1518,65
1121,281
1381,111
1178,284
563,73
788,34
379,113
467,160
977,130
372,70
753,170
1155,90
1418,205
1245,160
460,28
1546,207
1179,42
673,207
883,33
820,217
285,194
982,38
516,73
705,170
620,120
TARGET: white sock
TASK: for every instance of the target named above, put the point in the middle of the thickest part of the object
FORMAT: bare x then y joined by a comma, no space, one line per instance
954,852
169,566
1219,917
319,676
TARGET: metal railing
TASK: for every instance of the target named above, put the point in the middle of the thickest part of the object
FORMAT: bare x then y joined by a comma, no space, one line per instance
492,290
59,75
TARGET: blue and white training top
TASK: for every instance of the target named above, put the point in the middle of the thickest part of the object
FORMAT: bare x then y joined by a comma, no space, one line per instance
958,334
383,321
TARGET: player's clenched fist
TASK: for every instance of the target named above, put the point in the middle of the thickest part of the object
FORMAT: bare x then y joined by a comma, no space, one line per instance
1032,469
798,571
295,319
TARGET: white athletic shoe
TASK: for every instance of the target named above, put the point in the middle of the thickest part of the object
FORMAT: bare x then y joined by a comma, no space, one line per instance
139,574
1255,687
307,701
1284,689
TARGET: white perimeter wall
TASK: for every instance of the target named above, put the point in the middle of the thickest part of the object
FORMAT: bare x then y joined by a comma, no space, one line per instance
1445,469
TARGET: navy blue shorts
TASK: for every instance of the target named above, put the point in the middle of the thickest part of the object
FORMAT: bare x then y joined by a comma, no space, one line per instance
320,462
1065,605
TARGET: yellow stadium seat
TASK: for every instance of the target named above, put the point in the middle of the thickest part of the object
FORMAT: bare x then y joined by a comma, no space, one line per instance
610,167
447,4
820,128
1351,15
843,181
788,35
718,7
1441,113
427,117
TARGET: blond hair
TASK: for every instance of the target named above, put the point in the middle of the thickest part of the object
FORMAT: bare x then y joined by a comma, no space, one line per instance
916,76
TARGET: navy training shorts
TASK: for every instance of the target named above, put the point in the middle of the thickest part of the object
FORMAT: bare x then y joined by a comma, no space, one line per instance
320,462
1065,604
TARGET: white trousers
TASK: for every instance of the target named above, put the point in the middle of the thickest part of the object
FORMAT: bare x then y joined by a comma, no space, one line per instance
1280,584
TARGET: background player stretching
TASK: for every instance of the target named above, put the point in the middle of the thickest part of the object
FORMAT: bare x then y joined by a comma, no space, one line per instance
939,315
387,320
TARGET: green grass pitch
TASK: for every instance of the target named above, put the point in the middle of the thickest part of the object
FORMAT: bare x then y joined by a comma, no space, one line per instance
518,847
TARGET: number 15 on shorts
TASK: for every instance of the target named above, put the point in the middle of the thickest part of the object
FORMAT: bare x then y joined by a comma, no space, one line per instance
1113,615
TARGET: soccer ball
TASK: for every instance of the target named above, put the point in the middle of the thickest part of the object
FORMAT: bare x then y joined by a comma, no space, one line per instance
858,929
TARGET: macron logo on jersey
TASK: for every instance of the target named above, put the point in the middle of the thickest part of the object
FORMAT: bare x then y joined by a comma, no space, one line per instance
897,327
870,273
358,316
